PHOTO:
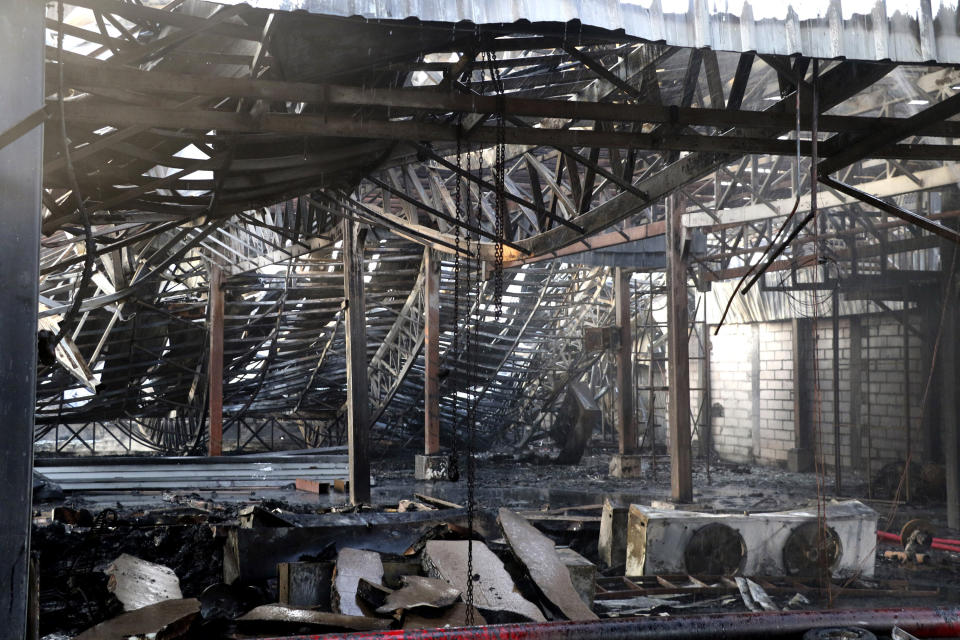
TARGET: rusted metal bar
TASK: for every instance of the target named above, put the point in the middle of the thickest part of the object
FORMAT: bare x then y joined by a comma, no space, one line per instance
626,420
431,358
215,366
681,473
923,622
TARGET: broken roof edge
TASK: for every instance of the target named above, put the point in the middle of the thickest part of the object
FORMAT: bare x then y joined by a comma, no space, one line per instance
903,31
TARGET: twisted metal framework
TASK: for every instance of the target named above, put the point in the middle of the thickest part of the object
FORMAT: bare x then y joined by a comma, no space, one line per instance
204,134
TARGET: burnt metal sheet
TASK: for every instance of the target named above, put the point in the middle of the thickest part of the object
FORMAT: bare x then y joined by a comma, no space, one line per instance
354,565
275,613
165,615
538,554
105,474
495,593
418,591
253,554
138,583
897,30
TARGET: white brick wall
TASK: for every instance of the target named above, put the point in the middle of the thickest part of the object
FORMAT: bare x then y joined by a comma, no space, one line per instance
882,406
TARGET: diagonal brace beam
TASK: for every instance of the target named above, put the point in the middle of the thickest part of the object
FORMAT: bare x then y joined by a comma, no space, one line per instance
904,214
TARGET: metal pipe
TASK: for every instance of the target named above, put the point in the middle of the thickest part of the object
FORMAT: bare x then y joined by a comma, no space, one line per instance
922,622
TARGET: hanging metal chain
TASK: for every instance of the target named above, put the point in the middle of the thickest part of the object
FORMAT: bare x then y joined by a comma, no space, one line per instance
453,469
499,183
469,617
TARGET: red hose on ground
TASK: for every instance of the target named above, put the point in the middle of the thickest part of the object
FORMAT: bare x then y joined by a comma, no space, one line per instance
943,544
921,622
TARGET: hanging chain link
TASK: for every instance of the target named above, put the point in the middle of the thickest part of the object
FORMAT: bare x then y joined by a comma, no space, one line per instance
453,469
499,183
469,617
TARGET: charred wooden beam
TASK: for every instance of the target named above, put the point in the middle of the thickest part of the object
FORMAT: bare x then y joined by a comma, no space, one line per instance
431,357
358,404
681,472
626,418
215,363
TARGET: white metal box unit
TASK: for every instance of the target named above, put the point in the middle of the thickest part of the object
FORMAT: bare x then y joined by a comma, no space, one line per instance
792,543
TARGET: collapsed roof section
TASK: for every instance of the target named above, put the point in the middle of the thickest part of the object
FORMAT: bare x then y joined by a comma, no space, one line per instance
201,134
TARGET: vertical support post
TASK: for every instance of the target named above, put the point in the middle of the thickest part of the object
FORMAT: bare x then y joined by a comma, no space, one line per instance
799,424
681,472
626,419
706,427
358,402
651,428
21,93
869,404
800,458
856,393
907,418
837,467
215,366
431,337
948,373
755,391
948,407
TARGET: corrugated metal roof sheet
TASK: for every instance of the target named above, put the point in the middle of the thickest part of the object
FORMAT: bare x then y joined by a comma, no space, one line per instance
897,30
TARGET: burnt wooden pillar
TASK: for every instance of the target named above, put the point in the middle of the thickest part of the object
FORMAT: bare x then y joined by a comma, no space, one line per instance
800,457
681,472
358,396
856,392
431,357
706,424
755,436
907,417
949,262
626,420
835,361
21,94
215,366
948,407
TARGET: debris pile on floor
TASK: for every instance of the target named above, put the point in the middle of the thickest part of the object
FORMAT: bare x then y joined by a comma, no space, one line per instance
268,568
203,569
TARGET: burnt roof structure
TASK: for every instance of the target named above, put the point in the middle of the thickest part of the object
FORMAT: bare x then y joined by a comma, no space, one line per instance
238,137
